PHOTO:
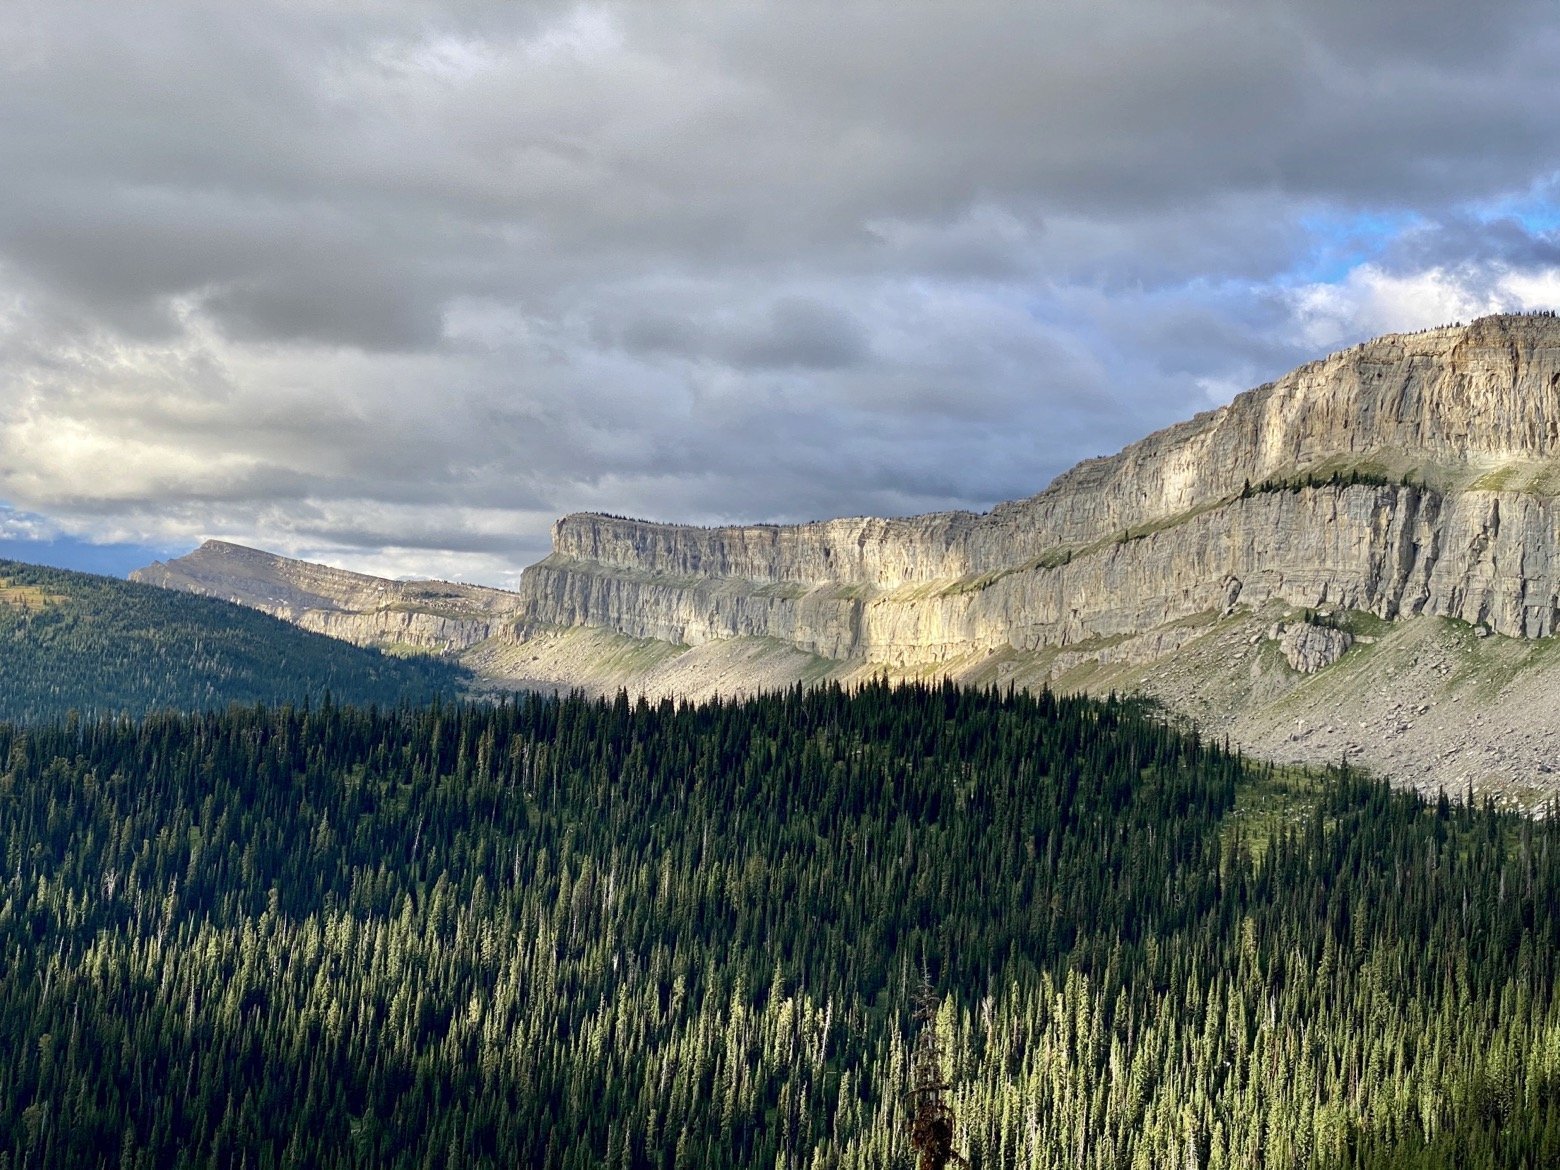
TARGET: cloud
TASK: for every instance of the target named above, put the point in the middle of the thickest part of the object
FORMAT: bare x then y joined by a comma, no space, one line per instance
396,283
1373,300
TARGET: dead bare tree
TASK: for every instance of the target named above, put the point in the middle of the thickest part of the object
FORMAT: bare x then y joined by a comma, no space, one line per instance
931,1118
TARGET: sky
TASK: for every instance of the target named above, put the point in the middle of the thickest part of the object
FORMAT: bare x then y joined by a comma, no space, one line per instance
393,285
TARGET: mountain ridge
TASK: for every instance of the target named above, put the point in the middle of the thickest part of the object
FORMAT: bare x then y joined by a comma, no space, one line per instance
439,617
1300,422
101,646
1401,476
1408,481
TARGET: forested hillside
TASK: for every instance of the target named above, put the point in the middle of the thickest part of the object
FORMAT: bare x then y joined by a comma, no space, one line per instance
98,645
563,933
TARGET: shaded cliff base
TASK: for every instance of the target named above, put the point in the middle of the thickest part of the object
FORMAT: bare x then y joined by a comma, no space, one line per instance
1432,703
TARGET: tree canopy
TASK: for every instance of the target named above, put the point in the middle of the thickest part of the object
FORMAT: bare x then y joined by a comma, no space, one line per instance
567,933
101,646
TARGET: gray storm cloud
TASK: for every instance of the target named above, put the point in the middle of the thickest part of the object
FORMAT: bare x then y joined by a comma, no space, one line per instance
395,284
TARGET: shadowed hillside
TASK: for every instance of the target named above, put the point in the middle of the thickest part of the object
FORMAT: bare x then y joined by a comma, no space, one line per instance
97,645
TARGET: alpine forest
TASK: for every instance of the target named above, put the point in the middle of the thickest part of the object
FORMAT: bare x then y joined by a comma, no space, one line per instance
569,933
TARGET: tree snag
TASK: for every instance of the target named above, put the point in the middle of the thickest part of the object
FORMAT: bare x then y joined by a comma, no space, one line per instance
931,1120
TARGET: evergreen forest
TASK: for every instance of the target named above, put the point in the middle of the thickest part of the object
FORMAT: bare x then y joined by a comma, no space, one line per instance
574,933
102,646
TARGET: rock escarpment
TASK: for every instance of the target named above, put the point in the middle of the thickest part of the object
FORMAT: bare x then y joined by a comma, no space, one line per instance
1409,475
1407,487
428,616
1391,550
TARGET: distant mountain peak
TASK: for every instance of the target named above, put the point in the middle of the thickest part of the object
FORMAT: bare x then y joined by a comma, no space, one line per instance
101,646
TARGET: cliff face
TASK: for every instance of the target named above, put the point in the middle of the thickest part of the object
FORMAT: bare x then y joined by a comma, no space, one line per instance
1410,475
1392,487
431,616
1396,551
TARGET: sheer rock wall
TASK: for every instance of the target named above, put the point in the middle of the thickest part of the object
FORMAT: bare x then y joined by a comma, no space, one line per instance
1485,557
1450,438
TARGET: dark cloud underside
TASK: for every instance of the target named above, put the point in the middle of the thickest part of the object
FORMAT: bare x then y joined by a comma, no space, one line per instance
396,283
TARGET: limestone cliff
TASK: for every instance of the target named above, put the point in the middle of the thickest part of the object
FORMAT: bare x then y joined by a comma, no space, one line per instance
428,616
1405,488
1410,475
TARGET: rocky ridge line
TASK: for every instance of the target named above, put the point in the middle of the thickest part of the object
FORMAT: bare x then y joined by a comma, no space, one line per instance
1408,482
1409,475
439,617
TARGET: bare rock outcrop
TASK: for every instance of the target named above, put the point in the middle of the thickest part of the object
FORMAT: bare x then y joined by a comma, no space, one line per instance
1309,647
438,617
1410,475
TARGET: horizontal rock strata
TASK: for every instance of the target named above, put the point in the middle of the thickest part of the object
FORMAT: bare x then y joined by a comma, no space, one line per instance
1484,557
1414,478
433,616
1410,475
